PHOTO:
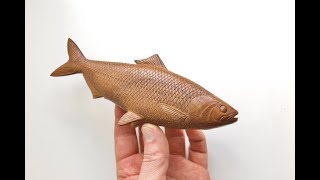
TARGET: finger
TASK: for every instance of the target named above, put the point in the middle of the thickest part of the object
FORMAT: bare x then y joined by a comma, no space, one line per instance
176,141
198,147
125,138
141,139
156,153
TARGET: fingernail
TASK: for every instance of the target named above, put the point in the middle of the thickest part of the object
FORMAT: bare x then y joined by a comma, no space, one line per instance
147,132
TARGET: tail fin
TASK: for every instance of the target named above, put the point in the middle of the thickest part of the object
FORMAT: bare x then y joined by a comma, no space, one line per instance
72,66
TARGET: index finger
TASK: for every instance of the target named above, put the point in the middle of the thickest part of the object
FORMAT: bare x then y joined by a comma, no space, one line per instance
125,139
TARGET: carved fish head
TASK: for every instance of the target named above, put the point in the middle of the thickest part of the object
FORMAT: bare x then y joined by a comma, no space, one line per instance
211,112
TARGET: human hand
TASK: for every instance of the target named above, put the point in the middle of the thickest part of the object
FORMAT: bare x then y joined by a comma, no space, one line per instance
162,155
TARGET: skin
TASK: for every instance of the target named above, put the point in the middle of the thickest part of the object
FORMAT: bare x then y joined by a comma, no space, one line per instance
162,155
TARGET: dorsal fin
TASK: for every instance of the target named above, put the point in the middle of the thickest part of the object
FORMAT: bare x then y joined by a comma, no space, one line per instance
154,60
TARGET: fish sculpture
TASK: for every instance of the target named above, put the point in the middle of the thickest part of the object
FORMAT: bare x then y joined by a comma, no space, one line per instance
149,92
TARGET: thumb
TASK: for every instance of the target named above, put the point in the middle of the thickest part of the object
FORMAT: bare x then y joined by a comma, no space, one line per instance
156,153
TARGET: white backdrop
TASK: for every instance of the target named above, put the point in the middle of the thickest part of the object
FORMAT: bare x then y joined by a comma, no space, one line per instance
242,51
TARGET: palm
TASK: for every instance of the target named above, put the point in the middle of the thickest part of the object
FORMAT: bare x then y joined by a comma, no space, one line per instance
179,168
129,168
182,168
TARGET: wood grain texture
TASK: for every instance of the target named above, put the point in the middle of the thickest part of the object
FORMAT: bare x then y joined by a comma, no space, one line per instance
150,91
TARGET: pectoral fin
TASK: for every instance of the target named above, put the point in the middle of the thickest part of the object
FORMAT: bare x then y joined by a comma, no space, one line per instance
129,117
154,60
173,112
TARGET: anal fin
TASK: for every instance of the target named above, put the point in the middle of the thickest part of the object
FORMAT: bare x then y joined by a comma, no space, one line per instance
93,90
129,117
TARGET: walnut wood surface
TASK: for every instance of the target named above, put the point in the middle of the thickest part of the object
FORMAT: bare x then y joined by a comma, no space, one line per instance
149,92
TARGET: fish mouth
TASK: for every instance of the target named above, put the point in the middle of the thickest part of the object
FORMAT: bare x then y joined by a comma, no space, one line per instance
234,119
230,117
226,120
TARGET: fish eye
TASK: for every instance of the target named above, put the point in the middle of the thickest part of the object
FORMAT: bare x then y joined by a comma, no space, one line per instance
223,108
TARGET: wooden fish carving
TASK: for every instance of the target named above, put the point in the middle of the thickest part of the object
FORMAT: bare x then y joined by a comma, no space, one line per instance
149,92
